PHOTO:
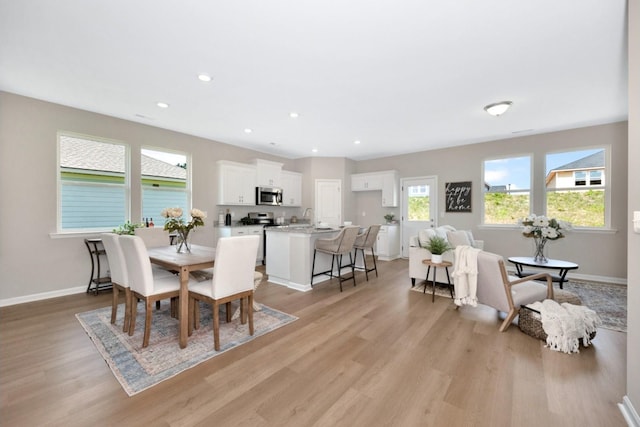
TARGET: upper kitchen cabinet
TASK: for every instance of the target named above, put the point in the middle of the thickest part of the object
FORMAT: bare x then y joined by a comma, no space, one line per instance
390,189
268,174
236,183
387,181
366,182
291,188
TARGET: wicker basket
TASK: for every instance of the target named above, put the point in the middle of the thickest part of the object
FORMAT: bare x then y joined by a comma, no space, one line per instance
530,320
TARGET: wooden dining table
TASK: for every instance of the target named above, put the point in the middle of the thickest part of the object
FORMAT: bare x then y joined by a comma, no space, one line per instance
200,257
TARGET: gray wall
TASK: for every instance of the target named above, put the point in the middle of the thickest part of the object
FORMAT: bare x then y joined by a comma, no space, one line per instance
600,254
28,181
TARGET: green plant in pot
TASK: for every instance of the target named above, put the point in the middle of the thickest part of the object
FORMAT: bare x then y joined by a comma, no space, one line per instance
389,217
127,228
437,246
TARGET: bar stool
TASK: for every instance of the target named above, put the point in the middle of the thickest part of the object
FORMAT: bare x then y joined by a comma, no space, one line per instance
336,247
364,241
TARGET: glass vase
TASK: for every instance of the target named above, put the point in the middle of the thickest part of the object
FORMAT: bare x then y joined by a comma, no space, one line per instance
540,243
182,242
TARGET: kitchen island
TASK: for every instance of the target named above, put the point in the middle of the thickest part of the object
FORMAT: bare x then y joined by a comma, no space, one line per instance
290,255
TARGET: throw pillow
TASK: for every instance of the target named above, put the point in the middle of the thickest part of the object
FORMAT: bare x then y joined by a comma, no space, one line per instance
442,231
425,235
459,238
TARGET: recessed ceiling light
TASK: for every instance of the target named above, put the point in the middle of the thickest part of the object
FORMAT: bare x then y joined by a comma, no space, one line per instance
314,150
293,115
247,130
357,141
162,105
204,77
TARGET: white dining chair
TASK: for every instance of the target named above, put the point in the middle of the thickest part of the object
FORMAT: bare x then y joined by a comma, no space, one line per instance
119,280
233,279
144,286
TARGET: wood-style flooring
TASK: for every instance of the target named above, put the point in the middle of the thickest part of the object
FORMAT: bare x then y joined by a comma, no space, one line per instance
376,354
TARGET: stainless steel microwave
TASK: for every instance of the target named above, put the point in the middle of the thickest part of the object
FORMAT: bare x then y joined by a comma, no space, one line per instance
269,196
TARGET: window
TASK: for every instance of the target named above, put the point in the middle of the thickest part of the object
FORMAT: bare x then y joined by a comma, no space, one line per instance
165,183
507,183
93,183
575,187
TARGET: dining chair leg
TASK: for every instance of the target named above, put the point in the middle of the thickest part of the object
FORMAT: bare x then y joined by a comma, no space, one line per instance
127,309
250,312
114,304
375,266
228,310
134,314
243,312
147,323
216,326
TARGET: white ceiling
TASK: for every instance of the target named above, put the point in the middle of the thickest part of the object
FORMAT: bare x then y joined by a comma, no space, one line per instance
401,76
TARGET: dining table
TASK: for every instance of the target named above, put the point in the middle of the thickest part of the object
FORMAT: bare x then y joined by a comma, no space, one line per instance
199,258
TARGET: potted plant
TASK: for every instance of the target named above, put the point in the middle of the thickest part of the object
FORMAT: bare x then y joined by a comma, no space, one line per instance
127,228
389,217
437,246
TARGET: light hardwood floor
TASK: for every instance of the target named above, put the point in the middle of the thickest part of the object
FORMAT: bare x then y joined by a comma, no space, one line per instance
374,355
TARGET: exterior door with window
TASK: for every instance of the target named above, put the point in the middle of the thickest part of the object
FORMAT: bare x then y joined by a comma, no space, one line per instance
419,207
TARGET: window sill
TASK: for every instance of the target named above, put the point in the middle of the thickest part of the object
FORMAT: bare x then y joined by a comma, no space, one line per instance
76,234
574,230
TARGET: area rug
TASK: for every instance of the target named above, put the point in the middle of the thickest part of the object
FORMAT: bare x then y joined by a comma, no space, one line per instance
607,299
138,369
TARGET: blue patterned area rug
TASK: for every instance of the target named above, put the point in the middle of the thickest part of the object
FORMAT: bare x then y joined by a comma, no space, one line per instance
138,369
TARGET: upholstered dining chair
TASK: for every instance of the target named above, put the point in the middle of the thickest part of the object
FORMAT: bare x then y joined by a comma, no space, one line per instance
119,280
144,286
337,247
505,293
233,279
366,240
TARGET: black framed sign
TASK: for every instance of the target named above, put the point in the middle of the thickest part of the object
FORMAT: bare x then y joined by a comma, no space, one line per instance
458,196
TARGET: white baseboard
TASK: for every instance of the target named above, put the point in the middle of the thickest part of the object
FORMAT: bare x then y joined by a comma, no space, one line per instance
629,413
42,296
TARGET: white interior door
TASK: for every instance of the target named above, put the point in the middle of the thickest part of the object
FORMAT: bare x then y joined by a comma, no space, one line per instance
419,207
328,205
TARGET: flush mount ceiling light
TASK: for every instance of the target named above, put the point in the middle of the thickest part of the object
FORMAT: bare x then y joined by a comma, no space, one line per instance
162,105
204,77
247,130
293,115
498,108
357,141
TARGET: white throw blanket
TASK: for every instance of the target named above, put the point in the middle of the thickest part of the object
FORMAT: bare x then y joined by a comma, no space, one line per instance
465,275
565,324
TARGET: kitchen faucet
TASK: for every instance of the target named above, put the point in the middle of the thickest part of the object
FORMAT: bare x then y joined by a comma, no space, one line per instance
307,214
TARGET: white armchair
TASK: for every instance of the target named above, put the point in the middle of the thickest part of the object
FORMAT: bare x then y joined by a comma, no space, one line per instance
417,270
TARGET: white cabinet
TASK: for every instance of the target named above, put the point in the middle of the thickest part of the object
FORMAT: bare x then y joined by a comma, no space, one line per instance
268,174
291,188
387,181
388,243
390,189
245,230
236,183
366,182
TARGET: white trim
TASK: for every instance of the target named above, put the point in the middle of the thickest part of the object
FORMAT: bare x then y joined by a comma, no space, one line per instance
629,413
42,296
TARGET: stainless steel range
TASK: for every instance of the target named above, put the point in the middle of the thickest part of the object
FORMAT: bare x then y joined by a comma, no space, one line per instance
265,219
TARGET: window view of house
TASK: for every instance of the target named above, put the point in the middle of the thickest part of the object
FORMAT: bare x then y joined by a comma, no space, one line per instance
93,183
575,187
507,184
165,183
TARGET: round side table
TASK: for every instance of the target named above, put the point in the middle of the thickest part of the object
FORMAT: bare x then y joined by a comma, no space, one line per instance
435,265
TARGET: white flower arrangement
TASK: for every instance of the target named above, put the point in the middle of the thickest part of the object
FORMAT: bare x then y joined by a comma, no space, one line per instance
541,227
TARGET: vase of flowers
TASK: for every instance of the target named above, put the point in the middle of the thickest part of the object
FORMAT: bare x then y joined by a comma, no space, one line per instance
176,223
543,229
